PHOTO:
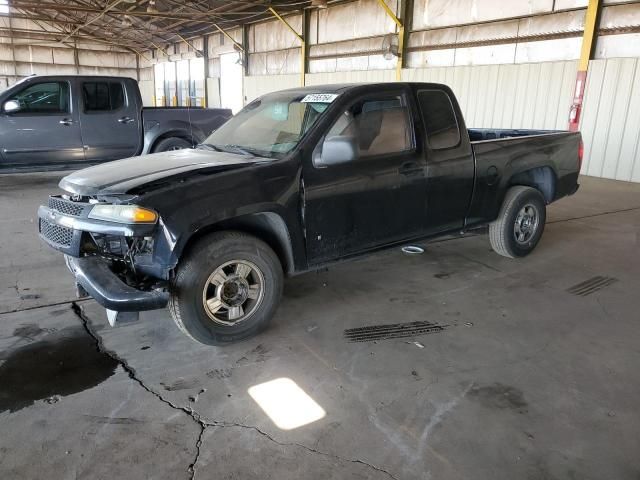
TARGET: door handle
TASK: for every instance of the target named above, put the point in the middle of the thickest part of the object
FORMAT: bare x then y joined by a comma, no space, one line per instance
126,120
409,168
66,122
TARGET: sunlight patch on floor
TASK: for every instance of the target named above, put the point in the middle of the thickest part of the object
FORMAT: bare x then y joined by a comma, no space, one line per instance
286,404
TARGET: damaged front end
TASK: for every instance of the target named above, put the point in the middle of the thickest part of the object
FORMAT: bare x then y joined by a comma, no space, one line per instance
109,246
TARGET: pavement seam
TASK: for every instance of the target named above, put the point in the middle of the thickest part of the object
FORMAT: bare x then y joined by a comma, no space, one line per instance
77,309
203,424
35,307
612,212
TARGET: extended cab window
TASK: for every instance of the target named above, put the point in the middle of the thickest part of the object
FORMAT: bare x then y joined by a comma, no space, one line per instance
379,124
47,97
102,96
439,119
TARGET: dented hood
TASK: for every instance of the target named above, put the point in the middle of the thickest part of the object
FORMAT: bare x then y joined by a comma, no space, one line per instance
120,176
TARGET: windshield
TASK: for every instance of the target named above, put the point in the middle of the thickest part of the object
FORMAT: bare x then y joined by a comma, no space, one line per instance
271,125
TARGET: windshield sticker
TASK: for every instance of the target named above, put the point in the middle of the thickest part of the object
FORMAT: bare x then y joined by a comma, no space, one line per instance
319,98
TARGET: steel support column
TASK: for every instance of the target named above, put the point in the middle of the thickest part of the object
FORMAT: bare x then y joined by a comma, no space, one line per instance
205,59
588,43
306,28
245,44
406,17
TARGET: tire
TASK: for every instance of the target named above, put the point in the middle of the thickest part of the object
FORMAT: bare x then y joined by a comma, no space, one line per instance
171,143
519,226
204,303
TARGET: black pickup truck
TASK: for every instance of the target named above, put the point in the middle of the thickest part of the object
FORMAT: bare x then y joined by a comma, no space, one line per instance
295,181
57,122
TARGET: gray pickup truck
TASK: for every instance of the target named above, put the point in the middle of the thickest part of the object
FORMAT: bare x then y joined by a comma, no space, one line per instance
55,122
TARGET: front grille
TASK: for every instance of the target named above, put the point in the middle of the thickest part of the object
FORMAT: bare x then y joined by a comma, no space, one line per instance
62,236
66,207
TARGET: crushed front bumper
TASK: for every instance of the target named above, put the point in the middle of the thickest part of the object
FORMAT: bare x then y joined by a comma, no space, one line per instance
95,277
65,226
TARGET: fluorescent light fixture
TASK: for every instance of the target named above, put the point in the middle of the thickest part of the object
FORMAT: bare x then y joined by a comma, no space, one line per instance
286,404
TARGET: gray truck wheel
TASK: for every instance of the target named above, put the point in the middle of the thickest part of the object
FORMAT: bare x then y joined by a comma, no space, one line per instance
226,289
171,143
519,226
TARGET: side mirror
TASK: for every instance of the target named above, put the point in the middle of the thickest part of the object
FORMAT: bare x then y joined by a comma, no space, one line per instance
11,106
338,150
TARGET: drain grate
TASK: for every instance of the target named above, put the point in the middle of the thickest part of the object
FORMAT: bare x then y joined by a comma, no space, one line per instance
393,330
592,285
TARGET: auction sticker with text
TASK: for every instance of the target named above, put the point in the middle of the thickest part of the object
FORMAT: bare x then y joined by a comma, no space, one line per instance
319,98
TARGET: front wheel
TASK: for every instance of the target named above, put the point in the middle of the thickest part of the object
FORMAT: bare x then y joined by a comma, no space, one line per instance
226,289
519,226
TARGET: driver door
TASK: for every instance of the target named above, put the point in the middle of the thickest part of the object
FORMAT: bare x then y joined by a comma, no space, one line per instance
376,199
44,129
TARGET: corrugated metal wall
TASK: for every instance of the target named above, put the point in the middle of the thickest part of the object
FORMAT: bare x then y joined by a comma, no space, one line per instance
611,119
257,85
351,77
530,95
21,58
533,95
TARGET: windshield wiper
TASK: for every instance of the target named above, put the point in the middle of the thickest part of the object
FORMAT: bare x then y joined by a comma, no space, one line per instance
231,148
209,146
242,150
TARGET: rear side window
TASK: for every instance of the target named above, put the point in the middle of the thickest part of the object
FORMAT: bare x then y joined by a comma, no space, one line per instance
439,119
46,97
102,96
380,125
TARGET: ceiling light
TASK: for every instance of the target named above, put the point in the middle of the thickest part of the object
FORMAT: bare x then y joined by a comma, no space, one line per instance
151,7
319,3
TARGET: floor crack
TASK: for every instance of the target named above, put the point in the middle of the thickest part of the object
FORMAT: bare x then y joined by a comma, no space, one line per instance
309,449
192,467
77,309
202,423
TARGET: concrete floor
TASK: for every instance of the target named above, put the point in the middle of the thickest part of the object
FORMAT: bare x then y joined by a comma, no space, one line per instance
525,379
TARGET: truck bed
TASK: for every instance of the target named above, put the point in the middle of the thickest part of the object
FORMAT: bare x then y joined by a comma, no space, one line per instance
549,158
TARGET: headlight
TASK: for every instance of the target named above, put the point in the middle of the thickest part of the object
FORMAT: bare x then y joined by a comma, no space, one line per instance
123,214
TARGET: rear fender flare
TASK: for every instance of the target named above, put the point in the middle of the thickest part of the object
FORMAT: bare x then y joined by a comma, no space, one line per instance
522,176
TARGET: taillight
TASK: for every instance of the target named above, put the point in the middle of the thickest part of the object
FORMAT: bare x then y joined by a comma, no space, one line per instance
580,154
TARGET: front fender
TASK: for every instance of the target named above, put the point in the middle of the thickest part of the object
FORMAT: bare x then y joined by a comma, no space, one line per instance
269,222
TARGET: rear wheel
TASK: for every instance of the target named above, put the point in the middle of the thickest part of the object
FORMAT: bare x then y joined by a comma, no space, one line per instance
226,289
171,143
518,228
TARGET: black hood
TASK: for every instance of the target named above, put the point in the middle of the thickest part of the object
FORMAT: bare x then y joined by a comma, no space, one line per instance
120,176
